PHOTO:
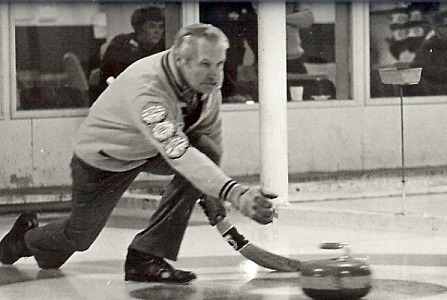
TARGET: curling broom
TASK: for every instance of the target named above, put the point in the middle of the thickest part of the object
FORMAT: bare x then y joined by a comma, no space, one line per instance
254,253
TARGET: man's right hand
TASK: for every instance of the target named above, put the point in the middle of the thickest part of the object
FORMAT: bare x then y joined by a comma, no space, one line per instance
253,203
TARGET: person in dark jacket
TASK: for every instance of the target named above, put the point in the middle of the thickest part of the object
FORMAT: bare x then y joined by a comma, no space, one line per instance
147,39
432,57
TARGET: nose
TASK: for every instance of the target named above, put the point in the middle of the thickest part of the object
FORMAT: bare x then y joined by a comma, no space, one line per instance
216,71
157,30
212,77
217,75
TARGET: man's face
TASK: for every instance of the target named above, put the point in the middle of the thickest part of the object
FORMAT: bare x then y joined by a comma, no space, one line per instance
152,32
204,71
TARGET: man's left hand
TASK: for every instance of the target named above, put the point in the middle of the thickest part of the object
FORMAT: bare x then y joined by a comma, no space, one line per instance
214,209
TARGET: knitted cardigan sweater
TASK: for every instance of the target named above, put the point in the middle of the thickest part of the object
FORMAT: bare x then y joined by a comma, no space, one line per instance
140,116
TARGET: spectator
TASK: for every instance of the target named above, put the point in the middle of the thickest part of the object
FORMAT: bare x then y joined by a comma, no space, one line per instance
409,26
148,38
432,57
297,16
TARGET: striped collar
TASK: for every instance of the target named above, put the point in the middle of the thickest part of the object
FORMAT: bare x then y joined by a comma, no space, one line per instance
183,90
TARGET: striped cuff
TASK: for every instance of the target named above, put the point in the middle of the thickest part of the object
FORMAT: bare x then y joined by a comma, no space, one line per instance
227,187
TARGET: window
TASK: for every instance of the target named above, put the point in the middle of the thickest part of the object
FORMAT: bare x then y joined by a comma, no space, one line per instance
52,66
402,35
59,48
3,58
239,21
318,51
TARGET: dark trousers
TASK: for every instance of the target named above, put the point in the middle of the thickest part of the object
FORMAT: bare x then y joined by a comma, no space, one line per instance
95,194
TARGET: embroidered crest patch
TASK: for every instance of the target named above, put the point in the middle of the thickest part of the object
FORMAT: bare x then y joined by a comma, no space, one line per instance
176,146
153,113
163,130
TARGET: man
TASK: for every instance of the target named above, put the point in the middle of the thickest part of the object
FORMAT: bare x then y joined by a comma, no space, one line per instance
298,15
432,56
147,39
161,115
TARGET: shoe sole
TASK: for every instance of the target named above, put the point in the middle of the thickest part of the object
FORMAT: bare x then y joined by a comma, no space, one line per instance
139,278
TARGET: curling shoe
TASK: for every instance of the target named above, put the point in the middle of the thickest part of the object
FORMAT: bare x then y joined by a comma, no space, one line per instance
12,246
144,267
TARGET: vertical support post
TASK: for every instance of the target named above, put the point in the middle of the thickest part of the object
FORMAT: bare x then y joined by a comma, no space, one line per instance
190,13
402,135
402,144
273,98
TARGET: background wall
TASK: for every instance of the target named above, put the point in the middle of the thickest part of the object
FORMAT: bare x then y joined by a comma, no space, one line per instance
37,152
343,139
322,137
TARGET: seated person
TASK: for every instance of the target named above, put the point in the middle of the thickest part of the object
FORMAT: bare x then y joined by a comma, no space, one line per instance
297,16
147,39
432,57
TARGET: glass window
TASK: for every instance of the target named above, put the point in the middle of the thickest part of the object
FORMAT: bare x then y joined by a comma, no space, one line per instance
239,21
318,51
65,52
409,35
3,56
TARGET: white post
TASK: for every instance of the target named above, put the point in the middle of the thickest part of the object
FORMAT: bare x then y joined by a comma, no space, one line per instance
273,98
190,13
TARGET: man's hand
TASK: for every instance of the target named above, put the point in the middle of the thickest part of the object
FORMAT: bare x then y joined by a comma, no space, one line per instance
253,203
214,209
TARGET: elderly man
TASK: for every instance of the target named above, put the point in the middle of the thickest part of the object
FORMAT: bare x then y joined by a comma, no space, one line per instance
161,115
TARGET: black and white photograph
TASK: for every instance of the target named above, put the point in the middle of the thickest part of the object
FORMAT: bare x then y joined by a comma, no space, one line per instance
198,150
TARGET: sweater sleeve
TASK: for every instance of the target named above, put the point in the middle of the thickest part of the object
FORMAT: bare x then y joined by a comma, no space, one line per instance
154,116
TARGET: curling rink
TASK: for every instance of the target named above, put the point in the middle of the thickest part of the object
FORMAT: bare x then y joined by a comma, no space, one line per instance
405,264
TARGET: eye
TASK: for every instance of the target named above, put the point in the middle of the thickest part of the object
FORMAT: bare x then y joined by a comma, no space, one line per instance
205,64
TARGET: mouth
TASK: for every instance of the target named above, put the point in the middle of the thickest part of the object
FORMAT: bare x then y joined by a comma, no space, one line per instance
210,83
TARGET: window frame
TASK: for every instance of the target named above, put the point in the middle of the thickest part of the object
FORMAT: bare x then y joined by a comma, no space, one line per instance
10,74
356,62
359,69
37,113
4,63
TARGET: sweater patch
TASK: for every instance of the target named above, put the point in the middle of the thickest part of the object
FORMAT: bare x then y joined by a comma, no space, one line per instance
176,146
153,113
163,130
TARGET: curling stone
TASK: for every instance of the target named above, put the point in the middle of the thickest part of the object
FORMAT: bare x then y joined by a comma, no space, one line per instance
343,277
